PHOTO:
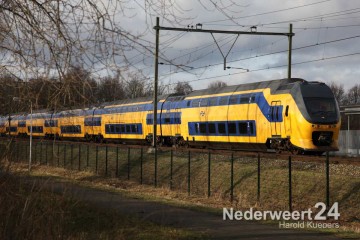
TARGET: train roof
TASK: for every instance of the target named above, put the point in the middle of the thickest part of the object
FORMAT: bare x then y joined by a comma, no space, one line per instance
283,85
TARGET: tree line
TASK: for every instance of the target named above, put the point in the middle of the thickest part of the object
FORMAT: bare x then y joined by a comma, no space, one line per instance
78,89
346,97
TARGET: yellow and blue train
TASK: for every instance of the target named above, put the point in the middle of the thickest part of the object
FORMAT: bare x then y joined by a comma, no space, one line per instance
287,114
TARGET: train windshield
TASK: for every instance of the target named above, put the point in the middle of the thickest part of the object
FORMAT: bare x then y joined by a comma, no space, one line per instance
321,109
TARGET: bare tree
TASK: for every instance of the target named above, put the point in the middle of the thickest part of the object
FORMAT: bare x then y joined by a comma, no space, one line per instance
339,92
42,41
183,88
217,85
110,89
354,95
135,86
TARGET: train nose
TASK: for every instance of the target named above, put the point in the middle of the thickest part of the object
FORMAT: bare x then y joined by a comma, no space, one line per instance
322,138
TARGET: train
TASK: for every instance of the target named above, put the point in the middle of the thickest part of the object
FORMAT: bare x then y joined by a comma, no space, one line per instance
290,114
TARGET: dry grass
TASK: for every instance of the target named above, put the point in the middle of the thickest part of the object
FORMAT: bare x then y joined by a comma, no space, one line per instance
308,180
28,211
349,229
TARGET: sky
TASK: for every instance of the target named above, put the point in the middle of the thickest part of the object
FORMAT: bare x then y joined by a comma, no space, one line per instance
325,46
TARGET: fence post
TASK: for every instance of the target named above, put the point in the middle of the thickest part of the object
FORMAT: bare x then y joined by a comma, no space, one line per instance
232,178
46,154
258,178
117,162
35,153
79,155
17,150
26,151
16,147
128,165
96,159
171,169
189,172
58,155
106,160
65,155
52,153
290,186
209,175
155,167
141,165
71,155
87,155
327,180
41,152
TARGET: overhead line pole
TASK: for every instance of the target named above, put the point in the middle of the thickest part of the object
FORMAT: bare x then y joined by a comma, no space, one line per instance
157,28
290,34
290,47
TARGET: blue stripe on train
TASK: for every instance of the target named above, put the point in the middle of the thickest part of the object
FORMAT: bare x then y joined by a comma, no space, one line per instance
272,113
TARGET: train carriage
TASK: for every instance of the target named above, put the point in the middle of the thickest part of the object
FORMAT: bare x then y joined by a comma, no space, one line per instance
51,126
92,124
11,125
272,114
71,124
21,125
284,115
35,124
125,121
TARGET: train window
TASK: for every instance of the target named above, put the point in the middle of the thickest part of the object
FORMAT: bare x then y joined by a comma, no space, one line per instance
234,99
232,128
212,128
133,128
195,103
188,103
112,128
242,128
223,100
221,128
277,114
212,101
203,128
117,128
244,100
167,120
252,99
204,102
197,128
21,124
123,129
128,130
251,128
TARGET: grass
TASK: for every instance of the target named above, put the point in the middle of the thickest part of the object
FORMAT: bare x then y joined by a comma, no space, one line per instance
308,179
28,212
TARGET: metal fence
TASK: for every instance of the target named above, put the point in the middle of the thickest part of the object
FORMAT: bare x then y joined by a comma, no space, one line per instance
245,181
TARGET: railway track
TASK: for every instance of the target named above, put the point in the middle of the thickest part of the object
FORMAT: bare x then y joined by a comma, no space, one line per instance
236,153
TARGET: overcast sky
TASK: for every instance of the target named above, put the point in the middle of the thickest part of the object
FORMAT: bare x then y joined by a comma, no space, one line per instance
325,46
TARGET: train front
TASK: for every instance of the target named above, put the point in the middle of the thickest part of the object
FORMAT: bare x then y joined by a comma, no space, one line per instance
318,130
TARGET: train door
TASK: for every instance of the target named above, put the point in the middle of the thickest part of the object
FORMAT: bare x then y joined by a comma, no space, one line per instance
166,119
275,118
204,117
177,117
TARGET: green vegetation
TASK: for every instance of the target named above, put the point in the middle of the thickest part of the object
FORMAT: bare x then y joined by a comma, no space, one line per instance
308,178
